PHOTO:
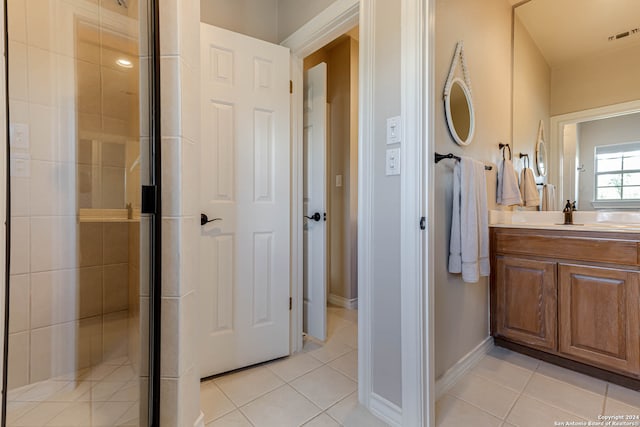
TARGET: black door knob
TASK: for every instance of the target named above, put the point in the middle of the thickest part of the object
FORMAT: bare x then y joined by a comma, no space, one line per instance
316,216
204,219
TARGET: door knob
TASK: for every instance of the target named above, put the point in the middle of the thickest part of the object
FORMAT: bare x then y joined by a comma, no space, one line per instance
204,219
316,216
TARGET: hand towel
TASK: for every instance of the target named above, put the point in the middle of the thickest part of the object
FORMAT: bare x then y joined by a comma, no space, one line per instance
508,193
469,244
528,188
549,197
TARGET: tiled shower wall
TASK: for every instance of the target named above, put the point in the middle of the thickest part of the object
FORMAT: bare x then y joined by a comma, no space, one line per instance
69,279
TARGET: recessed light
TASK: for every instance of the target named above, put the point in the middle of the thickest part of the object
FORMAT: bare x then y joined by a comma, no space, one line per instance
124,63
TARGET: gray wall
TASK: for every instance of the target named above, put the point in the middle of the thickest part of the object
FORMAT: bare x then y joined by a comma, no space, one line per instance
485,27
615,130
255,18
386,357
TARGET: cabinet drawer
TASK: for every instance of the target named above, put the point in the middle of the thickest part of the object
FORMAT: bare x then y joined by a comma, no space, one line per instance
624,252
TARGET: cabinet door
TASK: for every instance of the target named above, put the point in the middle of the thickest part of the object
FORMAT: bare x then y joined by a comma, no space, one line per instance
598,316
526,304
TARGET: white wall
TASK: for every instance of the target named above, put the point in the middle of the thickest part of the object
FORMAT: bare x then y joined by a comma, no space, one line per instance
596,81
255,18
385,289
293,14
614,130
462,309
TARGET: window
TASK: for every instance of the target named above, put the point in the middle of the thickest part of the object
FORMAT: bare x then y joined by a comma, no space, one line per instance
618,172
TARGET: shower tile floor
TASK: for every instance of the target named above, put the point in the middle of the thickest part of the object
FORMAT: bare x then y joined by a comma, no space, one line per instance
104,395
316,387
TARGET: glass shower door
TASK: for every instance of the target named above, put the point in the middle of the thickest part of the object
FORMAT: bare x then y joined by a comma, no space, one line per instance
79,286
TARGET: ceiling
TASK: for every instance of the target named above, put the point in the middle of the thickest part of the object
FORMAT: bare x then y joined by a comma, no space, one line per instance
566,30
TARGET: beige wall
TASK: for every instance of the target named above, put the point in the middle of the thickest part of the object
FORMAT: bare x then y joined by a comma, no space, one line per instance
531,95
255,18
293,14
341,150
597,81
485,28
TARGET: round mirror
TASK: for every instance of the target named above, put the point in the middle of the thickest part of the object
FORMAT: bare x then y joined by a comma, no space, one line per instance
459,112
541,158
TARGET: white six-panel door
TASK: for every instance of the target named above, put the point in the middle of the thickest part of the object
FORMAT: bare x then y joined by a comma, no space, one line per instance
245,181
315,201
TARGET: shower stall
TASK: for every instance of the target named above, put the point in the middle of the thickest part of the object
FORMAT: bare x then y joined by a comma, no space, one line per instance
82,279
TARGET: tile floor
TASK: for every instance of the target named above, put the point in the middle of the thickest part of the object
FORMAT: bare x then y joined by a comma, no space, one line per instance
316,387
510,389
104,395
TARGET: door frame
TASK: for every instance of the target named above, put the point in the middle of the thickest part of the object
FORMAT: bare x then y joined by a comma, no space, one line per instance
417,281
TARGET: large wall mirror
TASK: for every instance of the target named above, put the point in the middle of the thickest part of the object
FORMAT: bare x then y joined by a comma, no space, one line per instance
575,68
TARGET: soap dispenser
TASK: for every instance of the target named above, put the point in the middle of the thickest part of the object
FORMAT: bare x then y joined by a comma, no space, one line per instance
568,213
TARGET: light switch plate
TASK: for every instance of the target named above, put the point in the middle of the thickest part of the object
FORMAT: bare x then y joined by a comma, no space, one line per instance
19,135
393,162
394,130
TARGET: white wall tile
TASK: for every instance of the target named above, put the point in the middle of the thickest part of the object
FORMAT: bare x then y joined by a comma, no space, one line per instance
90,292
190,178
115,341
190,101
41,72
171,177
170,338
19,245
170,102
116,287
53,243
89,342
19,303
170,402
20,196
18,360
43,135
90,246
116,243
169,36
17,20
18,82
38,23
54,297
51,354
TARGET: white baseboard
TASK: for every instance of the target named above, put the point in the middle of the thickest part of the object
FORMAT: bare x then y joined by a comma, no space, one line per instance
200,421
453,374
343,302
388,412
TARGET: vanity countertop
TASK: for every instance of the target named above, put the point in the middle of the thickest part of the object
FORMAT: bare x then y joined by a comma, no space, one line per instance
618,222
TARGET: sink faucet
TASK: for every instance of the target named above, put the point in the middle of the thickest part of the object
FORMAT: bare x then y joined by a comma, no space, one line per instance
568,212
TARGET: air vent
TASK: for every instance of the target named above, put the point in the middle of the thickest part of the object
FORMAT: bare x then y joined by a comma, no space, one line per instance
624,34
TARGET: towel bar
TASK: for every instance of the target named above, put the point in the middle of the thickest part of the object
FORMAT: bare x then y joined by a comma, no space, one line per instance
439,157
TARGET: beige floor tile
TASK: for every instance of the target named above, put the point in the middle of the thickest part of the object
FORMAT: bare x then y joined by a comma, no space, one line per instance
131,416
343,408
624,395
503,372
121,374
514,358
232,419
568,376
322,420
130,392
98,373
213,402
334,323
106,414
562,395
324,386
76,414
453,412
71,391
41,414
360,417
283,407
530,412
102,391
615,407
347,364
43,391
244,386
294,366
330,351
484,394
346,335
16,410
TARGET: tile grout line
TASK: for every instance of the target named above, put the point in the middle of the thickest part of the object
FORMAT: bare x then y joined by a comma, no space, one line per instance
520,394
606,396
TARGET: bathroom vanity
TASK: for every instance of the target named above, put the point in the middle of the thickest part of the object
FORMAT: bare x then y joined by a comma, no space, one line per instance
569,295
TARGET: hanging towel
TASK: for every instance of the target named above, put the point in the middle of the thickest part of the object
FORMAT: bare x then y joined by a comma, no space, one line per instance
469,244
508,193
549,197
528,189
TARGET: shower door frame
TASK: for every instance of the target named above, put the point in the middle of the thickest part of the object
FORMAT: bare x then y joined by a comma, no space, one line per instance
151,205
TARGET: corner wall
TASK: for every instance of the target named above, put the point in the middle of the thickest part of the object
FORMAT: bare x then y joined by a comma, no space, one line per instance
462,309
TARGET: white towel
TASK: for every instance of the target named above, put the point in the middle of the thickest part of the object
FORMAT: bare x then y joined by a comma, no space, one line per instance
549,197
508,193
469,244
528,189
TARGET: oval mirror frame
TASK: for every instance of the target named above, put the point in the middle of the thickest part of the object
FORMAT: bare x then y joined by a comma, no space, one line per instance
451,119
541,157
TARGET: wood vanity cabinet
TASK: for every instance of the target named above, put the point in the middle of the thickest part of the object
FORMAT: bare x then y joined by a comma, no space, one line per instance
573,294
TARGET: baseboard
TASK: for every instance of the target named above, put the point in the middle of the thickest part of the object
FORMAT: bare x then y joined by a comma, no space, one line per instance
343,302
388,412
200,421
453,374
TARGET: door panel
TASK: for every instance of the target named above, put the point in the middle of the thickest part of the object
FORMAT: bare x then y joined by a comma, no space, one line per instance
315,199
245,182
599,316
